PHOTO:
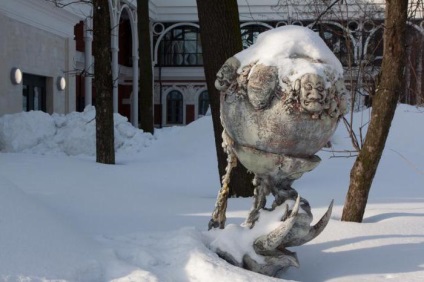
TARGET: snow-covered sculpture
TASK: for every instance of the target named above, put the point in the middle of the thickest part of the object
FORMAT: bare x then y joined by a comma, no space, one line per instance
281,101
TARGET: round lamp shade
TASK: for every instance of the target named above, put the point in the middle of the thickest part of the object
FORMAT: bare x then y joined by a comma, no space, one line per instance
16,76
61,83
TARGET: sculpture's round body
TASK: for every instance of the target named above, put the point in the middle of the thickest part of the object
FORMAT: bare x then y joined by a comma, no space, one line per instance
269,117
275,129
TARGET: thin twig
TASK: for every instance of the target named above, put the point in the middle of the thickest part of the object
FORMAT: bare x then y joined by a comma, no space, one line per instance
352,135
409,162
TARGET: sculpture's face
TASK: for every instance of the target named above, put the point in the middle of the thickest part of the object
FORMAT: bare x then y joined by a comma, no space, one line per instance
312,93
227,74
261,85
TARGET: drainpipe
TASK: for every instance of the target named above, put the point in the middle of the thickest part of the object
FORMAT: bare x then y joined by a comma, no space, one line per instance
134,101
160,95
115,70
88,62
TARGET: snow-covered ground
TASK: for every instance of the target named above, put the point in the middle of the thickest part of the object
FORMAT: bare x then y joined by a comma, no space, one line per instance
64,217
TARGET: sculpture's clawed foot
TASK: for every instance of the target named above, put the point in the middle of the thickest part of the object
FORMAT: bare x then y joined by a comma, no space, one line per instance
274,264
294,230
272,240
215,224
218,217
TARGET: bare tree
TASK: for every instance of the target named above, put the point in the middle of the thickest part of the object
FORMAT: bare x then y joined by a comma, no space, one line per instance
146,74
103,82
384,106
221,39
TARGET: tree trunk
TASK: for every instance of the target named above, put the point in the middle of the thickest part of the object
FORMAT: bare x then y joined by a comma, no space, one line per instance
146,74
105,151
221,38
384,106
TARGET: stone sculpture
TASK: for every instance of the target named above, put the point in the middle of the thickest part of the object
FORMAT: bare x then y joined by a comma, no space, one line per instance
278,108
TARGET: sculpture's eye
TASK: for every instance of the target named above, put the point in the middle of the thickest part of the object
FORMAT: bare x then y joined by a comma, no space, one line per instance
308,87
320,89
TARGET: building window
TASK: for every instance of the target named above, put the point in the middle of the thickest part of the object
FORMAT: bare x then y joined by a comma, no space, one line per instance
203,103
250,33
33,93
181,47
174,107
338,41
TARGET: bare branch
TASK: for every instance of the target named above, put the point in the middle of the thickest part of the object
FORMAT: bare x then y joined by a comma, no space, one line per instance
324,12
352,135
64,3
341,153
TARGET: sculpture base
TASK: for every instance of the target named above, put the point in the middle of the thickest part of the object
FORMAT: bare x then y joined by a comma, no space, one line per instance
262,248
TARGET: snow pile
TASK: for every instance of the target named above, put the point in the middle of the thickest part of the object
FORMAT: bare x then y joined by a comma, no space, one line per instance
71,134
19,132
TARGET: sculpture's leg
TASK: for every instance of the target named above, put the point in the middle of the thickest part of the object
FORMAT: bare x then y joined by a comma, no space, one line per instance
260,193
282,191
218,215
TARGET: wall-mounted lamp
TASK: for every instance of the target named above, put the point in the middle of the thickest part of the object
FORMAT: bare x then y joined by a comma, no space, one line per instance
61,83
16,76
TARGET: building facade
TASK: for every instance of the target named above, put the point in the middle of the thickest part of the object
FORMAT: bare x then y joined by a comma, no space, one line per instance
47,61
36,50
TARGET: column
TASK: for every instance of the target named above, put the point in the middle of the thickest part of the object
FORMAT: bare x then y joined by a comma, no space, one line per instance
134,101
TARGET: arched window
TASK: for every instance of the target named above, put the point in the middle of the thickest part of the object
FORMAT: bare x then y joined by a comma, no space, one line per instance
203,103
174,107
374,49
250,33
181,47
338,41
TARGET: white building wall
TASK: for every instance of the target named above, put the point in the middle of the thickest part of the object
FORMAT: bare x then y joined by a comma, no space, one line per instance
40,45
36,52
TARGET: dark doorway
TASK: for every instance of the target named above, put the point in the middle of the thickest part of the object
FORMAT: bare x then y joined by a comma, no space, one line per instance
203,103
174,104
34,93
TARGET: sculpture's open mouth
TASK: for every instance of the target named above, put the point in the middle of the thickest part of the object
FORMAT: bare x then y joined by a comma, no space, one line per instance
317,102
255,89
222,82
257,105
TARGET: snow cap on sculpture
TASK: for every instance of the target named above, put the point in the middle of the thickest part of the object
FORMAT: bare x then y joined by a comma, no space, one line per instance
295,51
292,63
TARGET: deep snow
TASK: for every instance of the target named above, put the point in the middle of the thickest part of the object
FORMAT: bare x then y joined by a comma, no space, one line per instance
145,219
